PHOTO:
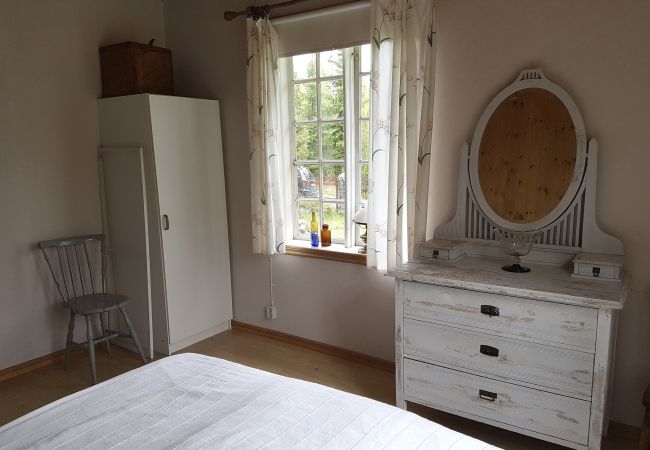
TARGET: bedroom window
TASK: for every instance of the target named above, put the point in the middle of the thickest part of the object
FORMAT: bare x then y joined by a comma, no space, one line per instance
329,109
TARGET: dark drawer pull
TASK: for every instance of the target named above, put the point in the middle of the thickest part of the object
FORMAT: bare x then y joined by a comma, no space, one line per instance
487,395
489,350
489,310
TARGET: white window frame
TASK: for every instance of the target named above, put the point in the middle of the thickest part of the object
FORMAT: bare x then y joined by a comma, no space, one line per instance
357,126
352,201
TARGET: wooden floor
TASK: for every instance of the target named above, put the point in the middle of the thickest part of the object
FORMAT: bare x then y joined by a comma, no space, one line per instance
25,393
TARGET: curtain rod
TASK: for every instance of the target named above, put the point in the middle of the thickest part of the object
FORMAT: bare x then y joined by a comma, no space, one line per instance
257,12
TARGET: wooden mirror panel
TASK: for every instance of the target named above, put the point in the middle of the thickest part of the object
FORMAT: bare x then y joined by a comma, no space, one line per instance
527,156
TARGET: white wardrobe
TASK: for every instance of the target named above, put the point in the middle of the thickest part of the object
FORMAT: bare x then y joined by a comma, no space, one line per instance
165,216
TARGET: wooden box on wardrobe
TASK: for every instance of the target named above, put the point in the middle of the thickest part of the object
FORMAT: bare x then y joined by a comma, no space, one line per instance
165,213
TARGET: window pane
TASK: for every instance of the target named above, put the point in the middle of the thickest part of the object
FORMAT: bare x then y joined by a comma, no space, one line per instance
331,63
364,139
365,58
333,141
332,99
334,181
304,66
308,180
364,109
307,142
304,101
304,216
334,216
364,181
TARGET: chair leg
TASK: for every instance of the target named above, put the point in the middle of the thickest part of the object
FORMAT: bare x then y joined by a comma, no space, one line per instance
103,318
91,348
134,336
68,341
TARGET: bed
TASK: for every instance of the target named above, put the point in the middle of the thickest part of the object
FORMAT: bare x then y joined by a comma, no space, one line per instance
196,401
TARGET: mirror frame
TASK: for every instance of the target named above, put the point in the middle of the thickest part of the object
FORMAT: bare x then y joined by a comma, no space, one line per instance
530,78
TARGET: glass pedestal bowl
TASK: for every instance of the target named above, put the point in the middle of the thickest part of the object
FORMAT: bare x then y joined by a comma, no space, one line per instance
515,244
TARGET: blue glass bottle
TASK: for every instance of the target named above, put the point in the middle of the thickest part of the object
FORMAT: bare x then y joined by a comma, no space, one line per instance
314,230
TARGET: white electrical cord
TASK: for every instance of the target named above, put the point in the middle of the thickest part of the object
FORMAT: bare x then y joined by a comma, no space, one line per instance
271,280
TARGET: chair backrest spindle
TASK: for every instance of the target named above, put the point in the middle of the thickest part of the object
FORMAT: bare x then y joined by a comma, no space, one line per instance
103,262
74,277
67,258
61,270
90,268
56,281
81,272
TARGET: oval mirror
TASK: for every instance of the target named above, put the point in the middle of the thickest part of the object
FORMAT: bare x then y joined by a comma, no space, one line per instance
528,153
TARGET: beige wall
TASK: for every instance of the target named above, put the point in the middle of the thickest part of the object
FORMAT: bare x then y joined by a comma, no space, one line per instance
341,304
599,51
49,83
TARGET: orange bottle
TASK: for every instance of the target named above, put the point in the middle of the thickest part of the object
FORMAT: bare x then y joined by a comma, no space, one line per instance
326,236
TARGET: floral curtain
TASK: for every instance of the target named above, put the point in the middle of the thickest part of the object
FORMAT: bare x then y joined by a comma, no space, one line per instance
403,66
265,146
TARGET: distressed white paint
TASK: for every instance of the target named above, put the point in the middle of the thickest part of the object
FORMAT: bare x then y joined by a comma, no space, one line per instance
530,79
453,249
567,372
564,325
555,334
594,239
554,331
570,227
529,409
575,228
399,344
546,282
602,374
605,272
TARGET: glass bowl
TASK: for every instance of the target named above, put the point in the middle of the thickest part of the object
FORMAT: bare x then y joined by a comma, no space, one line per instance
515,244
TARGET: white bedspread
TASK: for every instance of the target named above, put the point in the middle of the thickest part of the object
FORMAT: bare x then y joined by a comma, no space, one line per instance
195,401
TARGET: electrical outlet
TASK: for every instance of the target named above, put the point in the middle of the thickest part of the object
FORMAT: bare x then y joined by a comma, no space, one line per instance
270,312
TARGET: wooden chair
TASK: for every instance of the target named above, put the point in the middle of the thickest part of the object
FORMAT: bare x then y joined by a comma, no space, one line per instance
72,262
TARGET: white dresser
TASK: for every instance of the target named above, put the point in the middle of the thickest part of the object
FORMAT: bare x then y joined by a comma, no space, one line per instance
529,352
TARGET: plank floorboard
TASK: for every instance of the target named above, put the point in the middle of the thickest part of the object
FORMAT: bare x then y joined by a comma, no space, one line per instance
27,392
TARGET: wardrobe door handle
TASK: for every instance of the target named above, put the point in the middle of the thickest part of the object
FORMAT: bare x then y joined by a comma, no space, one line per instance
489,350
165,220
487,395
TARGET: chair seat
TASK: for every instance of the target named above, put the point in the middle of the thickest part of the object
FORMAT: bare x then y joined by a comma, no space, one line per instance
95,303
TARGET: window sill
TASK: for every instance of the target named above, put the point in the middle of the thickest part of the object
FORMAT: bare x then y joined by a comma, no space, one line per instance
335,252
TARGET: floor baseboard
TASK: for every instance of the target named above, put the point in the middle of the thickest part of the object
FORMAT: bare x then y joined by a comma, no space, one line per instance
33,364
328,349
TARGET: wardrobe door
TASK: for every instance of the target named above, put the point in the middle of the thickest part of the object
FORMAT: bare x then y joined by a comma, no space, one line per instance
189,173
125,213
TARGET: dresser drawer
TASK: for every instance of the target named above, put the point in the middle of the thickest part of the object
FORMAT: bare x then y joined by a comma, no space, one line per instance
551,414
567,371
554,323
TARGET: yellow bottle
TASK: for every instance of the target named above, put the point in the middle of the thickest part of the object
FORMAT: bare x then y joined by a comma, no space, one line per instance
314,230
